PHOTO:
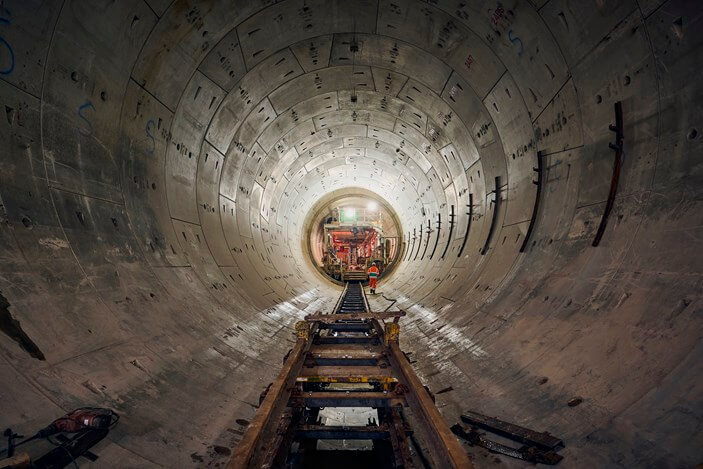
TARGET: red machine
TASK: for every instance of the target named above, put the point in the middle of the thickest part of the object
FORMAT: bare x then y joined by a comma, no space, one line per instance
79,419
84,418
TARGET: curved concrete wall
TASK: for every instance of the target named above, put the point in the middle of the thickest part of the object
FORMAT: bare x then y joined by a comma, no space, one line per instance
159,159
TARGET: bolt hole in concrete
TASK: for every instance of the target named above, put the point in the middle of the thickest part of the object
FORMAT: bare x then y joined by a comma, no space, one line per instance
574,401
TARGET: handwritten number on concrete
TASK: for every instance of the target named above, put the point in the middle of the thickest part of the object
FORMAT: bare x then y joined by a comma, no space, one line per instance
10,68
515,39
149,126
81,110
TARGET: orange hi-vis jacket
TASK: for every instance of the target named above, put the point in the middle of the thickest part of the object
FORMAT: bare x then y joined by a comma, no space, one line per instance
373,272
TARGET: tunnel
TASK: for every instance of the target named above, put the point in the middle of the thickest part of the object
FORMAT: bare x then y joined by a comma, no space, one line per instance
162,161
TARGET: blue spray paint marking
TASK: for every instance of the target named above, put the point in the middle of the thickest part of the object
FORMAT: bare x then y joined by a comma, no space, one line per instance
150,123
87,105
11,67
514,40
7,45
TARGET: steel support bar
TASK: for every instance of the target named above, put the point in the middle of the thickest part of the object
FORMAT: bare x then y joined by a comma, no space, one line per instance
617,166
538,195
333,432
399,441
268,415
351,351
346,326
347,399
526,453
512,431
277,445
329,318
346,340
447,451
494,218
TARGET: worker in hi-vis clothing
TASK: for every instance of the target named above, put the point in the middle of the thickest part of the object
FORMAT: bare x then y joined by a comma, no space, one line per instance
373,277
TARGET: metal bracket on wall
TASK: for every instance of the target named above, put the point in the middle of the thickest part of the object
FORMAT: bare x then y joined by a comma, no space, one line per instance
451,230
409,252
427,241
470,214
439,230
419,244
538,183
617,166
494,219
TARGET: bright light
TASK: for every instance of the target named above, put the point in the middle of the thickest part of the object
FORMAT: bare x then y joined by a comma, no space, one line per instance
372,205
349,212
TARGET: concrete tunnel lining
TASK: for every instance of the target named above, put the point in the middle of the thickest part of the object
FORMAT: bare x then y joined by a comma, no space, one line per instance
161,157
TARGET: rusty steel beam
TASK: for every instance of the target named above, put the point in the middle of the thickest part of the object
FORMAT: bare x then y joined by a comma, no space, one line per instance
338,432
446,451
353,351
329,318
348,399
399,440
512,431
267,417
345,371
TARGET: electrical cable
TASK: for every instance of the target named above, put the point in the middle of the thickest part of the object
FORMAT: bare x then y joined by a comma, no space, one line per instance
48,438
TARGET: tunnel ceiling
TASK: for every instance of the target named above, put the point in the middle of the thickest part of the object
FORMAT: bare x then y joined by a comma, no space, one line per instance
160,159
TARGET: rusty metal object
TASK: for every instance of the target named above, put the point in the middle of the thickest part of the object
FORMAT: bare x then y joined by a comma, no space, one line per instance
348,399
618,147
346,366
446,449
494,218
274,403
391,333
302,330
526,452
331,318
512,431
538,196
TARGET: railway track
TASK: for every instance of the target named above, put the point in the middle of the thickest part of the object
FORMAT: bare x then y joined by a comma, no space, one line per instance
348,358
